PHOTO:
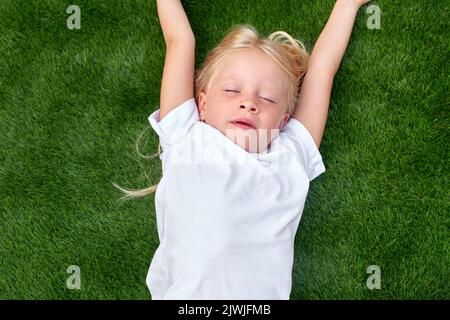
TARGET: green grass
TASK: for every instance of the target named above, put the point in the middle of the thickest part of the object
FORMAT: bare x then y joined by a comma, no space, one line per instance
72,103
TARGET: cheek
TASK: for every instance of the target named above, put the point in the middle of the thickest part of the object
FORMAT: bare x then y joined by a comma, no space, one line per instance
222,107
222,102
271,119
218,113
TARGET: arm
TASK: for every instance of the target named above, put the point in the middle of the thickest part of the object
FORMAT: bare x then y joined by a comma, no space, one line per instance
177,83
315,91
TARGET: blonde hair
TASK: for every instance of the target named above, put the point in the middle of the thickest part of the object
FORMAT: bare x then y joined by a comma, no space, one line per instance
138,193
288,53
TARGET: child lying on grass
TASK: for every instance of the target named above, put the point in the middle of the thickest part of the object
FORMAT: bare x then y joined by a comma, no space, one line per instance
240,140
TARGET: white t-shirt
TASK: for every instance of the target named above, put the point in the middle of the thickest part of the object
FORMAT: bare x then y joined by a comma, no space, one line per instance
227,227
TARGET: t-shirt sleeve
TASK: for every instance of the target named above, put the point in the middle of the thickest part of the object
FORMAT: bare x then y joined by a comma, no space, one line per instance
299,140
174,126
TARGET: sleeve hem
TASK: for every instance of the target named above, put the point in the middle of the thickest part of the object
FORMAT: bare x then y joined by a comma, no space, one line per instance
164,126
175,125
316,166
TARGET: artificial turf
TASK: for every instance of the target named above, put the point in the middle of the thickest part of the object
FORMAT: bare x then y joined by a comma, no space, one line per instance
73,102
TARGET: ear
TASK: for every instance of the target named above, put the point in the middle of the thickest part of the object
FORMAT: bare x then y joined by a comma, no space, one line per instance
202,105
284,120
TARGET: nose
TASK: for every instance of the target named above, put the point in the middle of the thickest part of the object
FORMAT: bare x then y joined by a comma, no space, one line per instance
250,105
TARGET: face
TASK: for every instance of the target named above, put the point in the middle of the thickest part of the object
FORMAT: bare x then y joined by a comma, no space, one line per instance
248,86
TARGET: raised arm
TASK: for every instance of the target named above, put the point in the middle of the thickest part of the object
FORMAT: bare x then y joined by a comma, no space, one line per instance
177,83
315,91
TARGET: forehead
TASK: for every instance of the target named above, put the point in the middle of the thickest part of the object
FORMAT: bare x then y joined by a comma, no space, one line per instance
252,67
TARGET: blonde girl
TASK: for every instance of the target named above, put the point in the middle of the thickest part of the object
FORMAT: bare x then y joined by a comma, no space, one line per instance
240,144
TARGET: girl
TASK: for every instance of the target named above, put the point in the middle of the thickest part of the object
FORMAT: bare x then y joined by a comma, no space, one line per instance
240,148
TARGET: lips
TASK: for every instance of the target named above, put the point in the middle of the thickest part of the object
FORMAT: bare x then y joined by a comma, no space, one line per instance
244,123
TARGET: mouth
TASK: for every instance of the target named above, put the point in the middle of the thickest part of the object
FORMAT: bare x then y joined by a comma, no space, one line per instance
243,124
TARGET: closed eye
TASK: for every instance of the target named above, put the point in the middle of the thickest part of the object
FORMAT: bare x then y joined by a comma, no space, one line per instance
271,101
